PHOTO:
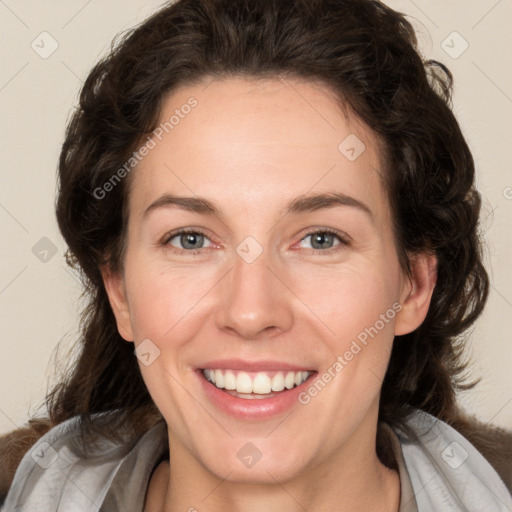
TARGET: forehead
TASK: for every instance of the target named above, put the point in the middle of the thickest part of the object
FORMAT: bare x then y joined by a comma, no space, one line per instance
258,141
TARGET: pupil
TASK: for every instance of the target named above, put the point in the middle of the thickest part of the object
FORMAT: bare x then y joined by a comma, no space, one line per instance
321,238
190,238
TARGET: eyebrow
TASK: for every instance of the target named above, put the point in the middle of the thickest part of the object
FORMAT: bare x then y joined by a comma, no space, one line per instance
299,205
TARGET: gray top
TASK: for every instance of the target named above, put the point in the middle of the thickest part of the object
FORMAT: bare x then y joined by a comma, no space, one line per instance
439,471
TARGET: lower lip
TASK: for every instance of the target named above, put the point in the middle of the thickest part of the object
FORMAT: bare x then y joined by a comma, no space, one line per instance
253,409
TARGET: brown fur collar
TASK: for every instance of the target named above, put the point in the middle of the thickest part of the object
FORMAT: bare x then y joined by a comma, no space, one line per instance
493,442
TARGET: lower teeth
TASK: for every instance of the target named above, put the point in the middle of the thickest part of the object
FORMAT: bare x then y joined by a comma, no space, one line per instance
249,396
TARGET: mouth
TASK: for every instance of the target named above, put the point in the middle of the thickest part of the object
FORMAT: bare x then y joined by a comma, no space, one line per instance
255,385
256,394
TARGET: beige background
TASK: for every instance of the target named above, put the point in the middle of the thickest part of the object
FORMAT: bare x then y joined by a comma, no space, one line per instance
39,300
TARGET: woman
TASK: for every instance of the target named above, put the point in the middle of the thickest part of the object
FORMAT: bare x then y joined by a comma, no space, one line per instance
274,210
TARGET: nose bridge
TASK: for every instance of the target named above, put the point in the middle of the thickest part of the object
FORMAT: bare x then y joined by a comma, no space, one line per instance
254,300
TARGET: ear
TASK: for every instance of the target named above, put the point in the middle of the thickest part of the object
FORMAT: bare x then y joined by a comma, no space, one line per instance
416,293
114,285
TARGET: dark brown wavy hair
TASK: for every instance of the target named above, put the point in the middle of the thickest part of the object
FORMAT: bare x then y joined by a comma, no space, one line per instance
365,52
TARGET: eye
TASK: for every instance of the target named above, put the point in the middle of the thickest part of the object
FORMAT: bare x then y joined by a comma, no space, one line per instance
324,240
190,241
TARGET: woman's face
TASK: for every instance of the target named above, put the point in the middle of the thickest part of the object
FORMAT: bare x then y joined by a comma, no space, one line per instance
290,268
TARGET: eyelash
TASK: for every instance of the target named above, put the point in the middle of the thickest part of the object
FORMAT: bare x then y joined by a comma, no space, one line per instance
344,242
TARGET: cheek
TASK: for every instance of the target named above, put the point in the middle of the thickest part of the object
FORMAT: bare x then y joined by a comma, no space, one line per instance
357,306
357,316
164,308
165,300
350,298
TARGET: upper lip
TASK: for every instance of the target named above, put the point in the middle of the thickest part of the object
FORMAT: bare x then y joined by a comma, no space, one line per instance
253,366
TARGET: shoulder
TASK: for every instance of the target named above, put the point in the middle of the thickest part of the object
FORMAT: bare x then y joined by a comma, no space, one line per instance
55,473
494,443
447,470
13,445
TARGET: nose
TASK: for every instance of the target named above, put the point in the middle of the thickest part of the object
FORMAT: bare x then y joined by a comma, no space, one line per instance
256,302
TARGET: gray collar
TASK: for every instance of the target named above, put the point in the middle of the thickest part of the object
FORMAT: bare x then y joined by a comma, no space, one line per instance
446,471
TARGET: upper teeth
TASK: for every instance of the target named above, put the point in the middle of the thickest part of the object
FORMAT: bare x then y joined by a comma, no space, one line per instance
260,382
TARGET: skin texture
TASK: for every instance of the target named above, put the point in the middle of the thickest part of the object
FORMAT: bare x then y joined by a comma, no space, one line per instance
251,147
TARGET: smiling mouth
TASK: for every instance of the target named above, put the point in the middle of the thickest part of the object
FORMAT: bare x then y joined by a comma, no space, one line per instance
255,385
